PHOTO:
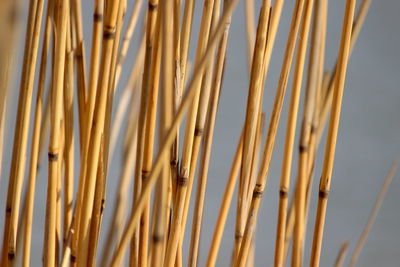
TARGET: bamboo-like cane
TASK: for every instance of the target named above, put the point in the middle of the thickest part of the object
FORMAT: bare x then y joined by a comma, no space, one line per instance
250,30
252,114
290,133
149,138
94,65
127,94
99,197
30,192
61,9
205,92
342,254
81,67
150,35
97,130
326,96
121,198
21,132
332,133
225,203
374,213
300,192
190,145
272,129
126,40
69,134
206,149
188,97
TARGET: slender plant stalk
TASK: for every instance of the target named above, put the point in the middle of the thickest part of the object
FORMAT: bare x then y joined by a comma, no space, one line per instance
252,113
30,192
168,140
344,248
271,135
300,193
225,204
332,133
21,132
374,213
61,9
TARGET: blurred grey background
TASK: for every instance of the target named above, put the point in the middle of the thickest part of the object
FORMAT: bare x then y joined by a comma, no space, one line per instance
368,140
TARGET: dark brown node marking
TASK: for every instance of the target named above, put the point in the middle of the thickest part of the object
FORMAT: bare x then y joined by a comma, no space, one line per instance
182,180
109,34
152,6
283,193
198,132
98,17
323,193
303,148
257,193
158,238
238,236
53,156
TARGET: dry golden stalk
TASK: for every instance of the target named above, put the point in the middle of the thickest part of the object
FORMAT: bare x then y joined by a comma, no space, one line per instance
69,135
300,192
332,133
290,135
324,107
190,147
252,114
250,30
374,213
94,66
61,9
342,254
30,191
272,130
150,35
21,132
169,137
126,40
97,130
130,92
199,127
121,199
149,140
225,203
167,106
99,197
206,149
81,67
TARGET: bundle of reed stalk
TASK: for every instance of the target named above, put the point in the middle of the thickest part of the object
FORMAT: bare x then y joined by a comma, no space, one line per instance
160,168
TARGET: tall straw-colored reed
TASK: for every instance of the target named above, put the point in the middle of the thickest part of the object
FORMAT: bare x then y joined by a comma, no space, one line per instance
160,166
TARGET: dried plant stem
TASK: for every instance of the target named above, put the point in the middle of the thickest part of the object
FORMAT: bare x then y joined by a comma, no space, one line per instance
225,204
342,254
30,191
81,67
190,145
168,140
252,114
332,133
126,40
290,134
61,9
69,135
271,135
149,139
150,35
21,132
306,124
97,131
374,213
